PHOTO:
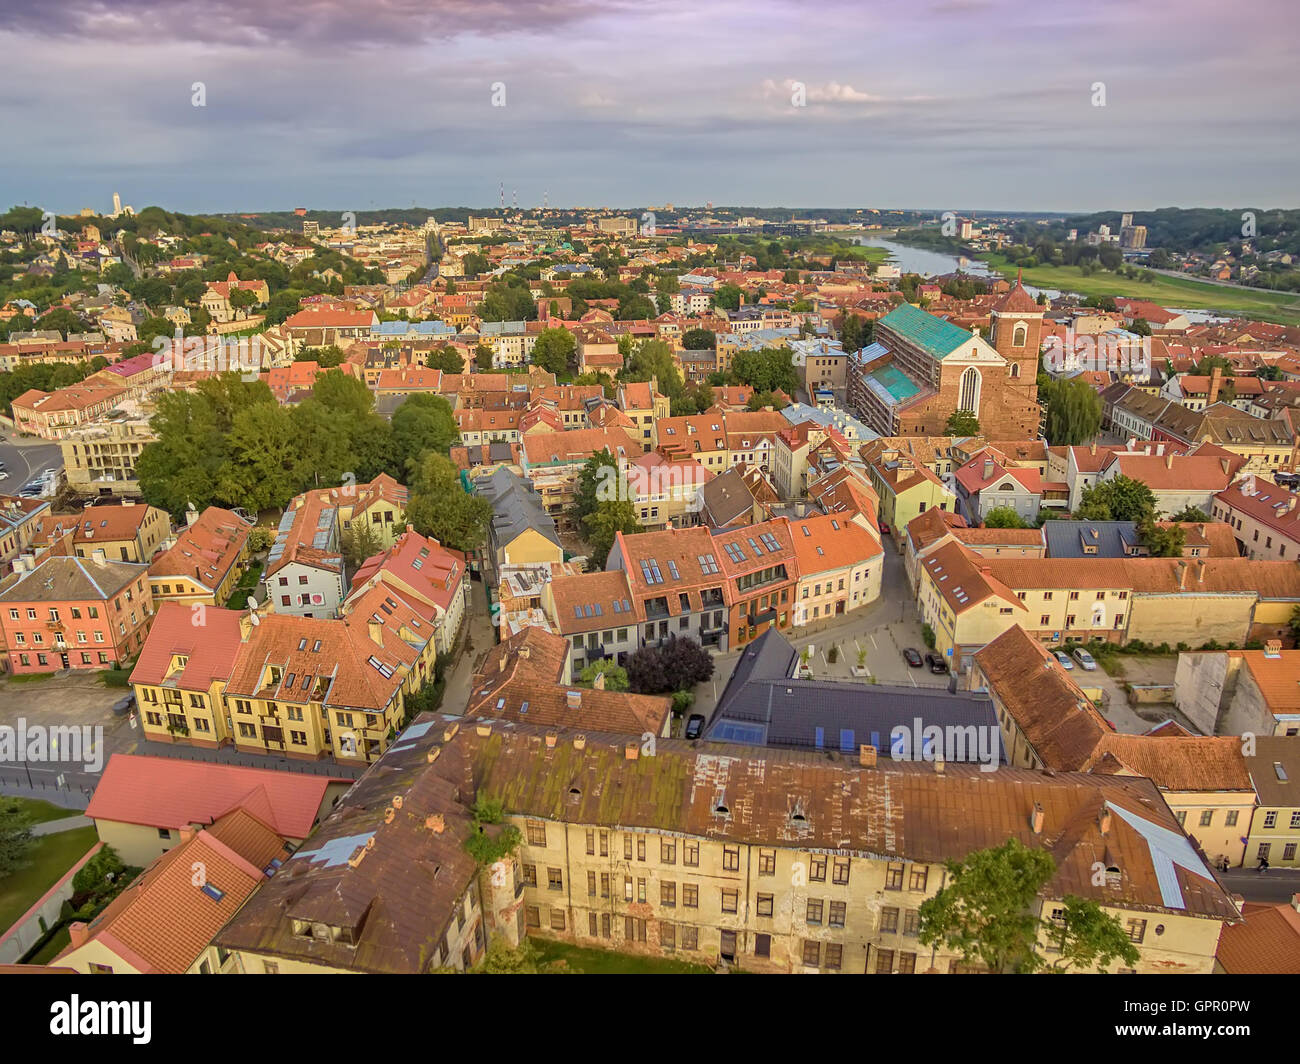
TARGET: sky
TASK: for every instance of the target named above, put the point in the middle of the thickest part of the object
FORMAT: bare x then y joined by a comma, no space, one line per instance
359,104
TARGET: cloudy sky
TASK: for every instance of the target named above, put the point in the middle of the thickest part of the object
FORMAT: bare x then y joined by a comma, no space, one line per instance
943,104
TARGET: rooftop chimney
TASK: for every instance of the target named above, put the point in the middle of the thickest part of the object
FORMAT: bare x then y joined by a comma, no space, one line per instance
1272,648
632,750
1036,819
938,763
1103,821
1216,382
551,739
79,933
99,557
1169,460
988,468
186,834
435,823
867,756
573,699
580,742
599,682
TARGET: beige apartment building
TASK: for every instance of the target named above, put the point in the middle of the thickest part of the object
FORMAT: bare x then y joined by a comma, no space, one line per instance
100,459
719,855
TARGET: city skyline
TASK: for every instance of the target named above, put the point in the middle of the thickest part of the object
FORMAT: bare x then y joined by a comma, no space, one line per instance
382,105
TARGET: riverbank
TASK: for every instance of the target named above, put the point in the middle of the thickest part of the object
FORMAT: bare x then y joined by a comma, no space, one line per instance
1179,292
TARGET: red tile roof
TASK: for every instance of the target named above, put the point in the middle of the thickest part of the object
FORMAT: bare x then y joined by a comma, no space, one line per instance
168,792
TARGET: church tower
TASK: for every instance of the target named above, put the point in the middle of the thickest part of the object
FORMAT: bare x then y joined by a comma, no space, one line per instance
1016,334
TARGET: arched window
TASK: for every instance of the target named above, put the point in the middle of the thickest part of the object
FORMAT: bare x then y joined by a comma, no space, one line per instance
1015,369
1019,334
970,391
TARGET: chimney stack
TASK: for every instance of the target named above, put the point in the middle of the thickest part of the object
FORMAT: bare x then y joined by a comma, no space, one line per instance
1169,460
99,557
79,933
435,823
867,756
599,682
573,699
988,468
1103,821
632,750
1036,819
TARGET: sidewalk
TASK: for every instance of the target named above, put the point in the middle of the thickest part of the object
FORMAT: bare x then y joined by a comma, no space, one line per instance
68,823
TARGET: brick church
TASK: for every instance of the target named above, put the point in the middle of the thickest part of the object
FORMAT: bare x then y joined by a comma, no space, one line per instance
921,369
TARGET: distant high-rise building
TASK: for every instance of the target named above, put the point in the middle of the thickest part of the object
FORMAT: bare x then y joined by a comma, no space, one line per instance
310,228
117,204
1125,221
1133,237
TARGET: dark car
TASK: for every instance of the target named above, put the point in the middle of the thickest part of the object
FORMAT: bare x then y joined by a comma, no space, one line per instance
913,657
936,663
694,726
123,706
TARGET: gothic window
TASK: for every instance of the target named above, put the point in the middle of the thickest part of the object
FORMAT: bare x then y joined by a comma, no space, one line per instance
1019,334
970,391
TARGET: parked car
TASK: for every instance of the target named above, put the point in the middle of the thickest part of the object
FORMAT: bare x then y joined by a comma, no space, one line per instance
884,529
936,663
1085,660
1064,659
694,726
123,706
913,657
4,474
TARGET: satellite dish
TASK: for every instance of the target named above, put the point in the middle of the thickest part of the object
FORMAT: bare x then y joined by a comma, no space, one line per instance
252,607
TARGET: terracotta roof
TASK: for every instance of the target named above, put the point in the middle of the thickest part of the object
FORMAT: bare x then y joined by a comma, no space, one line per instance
577,445
168,792
63,579
1266,942
1017,301
205,550
1069,734
965,580
589,602
829,542
1278,678
161,922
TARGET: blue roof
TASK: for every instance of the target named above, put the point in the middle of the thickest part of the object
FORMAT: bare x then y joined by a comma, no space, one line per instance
935,336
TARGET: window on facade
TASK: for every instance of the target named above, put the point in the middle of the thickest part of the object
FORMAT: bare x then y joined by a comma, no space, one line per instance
730,901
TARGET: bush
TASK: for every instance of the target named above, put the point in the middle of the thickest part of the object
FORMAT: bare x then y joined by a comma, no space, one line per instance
927,633
833,655
682,701
116,677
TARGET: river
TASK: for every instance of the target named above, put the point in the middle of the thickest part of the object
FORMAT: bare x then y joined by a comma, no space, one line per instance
930,263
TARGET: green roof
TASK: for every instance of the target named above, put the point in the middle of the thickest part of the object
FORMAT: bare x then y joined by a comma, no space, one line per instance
933,335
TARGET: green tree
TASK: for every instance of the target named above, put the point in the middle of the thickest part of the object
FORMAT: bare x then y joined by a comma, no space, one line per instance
1004,517
962,423
1073,410
16,838
440,508
423,423
447,359
615,674
699,339
602,526
596,471
761,399
1087,937
1191,515
984,911
728,297
767,370
359,541
326,357
483,358
1163,541
554,350
654,358
1119,499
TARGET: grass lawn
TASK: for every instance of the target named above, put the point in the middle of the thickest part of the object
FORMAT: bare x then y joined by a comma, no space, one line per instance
1179,292
239,597
607,962
61,941
30,677
38,810
48,860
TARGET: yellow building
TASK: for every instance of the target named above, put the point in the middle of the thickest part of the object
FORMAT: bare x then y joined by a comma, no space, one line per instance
1048,722
774,866
908,489
1274,832
205,563
276,684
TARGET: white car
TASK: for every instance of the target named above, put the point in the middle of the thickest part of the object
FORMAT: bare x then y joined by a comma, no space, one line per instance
1085,660
1064,659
